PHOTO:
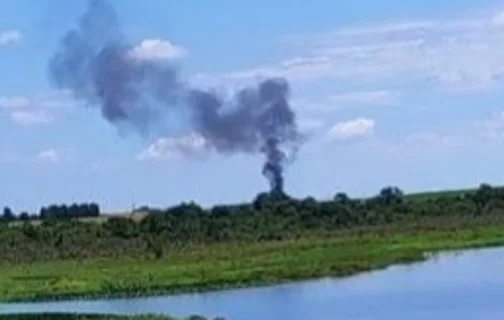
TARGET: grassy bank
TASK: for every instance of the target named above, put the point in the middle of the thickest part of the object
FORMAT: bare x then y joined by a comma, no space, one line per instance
244,264
60,316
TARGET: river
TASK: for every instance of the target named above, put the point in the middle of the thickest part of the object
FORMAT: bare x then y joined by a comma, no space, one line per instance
467,285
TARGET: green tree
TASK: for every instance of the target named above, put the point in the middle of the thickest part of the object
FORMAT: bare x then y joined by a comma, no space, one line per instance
8,215
482,197
24,216
342,198
391,195
94,210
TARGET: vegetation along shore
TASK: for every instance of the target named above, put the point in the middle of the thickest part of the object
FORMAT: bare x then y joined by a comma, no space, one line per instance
273,239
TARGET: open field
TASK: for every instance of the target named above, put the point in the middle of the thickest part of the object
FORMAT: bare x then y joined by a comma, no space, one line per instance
432,195
243,264
136,216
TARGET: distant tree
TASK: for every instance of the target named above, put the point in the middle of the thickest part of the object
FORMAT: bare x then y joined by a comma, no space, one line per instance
391,195
261,201
74,211
277,195
24,216
483,196
53,212
142,209
220,211
8,215
309,203
82,210
267,199
342,198
44,213
94,210
63,212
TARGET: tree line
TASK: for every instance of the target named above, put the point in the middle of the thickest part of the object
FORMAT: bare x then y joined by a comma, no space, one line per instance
54,212
269,217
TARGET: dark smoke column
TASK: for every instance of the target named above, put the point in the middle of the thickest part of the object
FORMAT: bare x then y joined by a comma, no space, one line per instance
94,61
273,168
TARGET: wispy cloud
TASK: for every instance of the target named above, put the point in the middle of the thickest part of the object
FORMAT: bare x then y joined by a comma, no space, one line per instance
322,106
491,128
10,37
39,109
55,155
427,138
352,129
193,145
31,117
456,54
365,98
157,49
50,155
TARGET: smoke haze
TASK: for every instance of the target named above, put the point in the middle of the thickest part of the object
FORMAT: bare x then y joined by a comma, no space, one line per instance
94,61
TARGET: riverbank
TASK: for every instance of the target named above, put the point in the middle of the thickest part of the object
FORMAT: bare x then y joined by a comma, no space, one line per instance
61,316
235,265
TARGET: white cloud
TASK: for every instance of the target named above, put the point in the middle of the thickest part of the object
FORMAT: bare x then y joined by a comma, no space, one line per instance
492,128
498,18
157,49
51,155
366,98
14,102
323,106
299,68
168,148
421,145
357,128
10,37
36,110
432,139
461,54
31,117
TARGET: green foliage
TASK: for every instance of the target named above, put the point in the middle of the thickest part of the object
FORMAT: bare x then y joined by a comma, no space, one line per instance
274,238
270,217
8,215
61,212
223,265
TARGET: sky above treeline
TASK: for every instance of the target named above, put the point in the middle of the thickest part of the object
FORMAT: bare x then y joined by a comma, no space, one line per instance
405,93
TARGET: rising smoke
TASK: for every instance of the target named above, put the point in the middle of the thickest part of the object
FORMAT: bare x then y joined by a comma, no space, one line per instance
94,61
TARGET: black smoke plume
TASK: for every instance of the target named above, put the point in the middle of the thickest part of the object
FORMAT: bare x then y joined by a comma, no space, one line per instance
95,62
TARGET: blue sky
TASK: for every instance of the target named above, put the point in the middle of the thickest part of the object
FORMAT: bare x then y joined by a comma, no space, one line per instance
405,93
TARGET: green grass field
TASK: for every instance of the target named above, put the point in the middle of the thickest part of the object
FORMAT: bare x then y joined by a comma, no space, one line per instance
432,195
238,265
137,216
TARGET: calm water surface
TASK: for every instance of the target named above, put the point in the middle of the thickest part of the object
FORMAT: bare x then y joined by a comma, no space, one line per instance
467,285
